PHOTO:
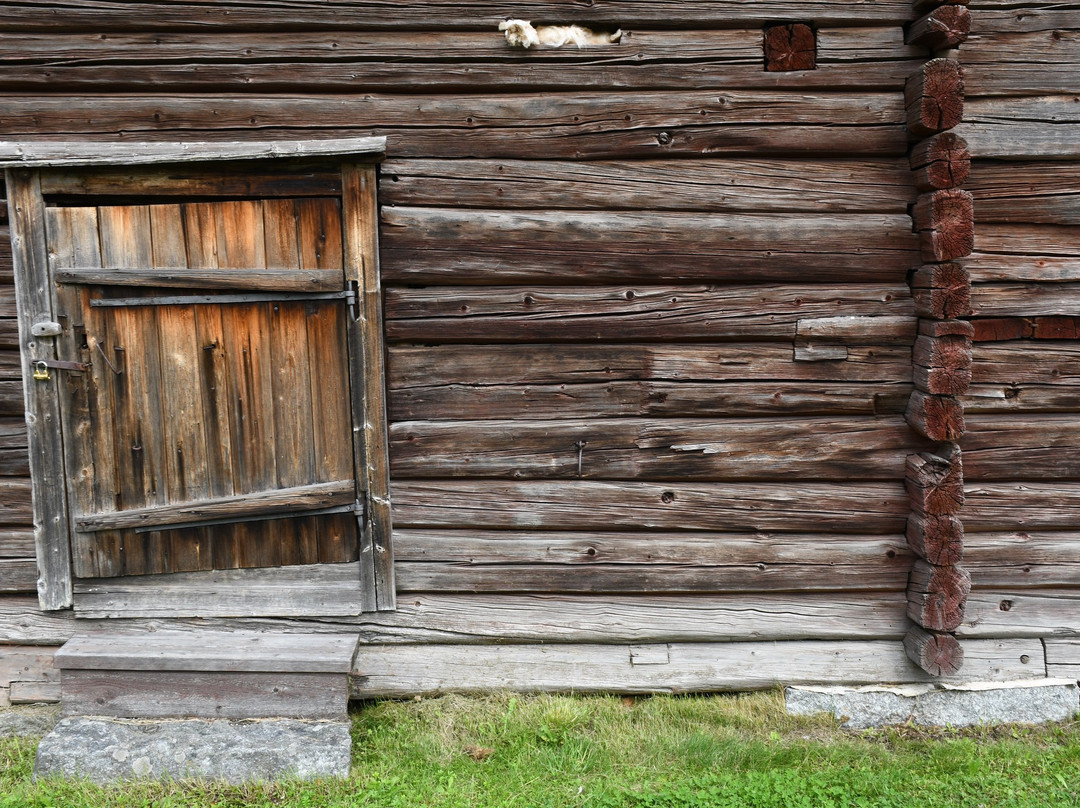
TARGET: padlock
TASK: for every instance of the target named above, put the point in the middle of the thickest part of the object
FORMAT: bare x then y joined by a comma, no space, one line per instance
41,371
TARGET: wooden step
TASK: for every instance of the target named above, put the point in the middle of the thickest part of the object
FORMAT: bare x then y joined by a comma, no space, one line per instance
207,674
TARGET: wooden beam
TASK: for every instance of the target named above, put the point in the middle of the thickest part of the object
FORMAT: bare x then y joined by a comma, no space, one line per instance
939,418
285,280
942,291
360,222
56,154
938,539
937,595
934,97
281,501
937,654
935,481
383,671
947,26
940,162
946,224
32,288
790,46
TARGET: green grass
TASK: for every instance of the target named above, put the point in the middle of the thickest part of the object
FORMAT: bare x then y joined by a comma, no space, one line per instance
609,752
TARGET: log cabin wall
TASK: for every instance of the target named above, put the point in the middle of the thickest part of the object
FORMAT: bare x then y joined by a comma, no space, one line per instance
648,324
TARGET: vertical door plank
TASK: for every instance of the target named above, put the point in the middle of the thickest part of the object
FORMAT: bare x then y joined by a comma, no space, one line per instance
241,244
360,228
294,536
142,480
26,215
72,237
201,247
319,222
184,439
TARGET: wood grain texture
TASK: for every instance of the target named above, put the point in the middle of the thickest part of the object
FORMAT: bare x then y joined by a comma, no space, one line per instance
940,162
567,127
434,246
1063,658
464,401
50,516
819,185
1037,505
210,651
646,313
1039,128
941,291
1040,447
937,595
589,505
946,224
947,26
934,97
731,449
935,481
1046,193
36,15
172,694
938,418
397,671
788,47
937,654
937,538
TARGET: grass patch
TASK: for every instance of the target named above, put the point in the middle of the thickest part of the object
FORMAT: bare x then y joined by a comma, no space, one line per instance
610,752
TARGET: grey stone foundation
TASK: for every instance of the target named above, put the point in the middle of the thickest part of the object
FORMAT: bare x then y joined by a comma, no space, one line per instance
108,749
963,705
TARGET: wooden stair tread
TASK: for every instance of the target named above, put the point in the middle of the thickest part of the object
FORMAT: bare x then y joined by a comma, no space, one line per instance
210,651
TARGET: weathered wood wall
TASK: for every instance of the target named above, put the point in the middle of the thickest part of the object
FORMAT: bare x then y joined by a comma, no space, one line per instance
1022,447
647,316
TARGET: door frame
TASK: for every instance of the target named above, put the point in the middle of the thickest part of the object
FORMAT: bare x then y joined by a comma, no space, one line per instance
27,164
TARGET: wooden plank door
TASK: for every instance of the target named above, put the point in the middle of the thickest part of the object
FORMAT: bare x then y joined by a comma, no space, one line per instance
212,427
216,378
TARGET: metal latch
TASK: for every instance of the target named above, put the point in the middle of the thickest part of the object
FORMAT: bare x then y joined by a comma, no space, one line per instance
41,367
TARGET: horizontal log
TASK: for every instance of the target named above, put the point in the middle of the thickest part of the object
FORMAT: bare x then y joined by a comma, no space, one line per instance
941,291
946,328
211,180
935,481
938,539
18,575
1004,329
1020,135
15,510
527,314
282,500
1023,559
35,692
736,449
635,549
1026,363
1045,193
483,619
11,397
934,97
1038,447
818,185
569,126
591,505
1011,613
1035,62
1037,78
422,576
937,595
947,26
1030,505
937,654
628,399
938,418
576,364
940,162
623,71
426,245
402,671
1026,252
1024,299
946,224
85,15
16,542
1034,398
1062,658
486,44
